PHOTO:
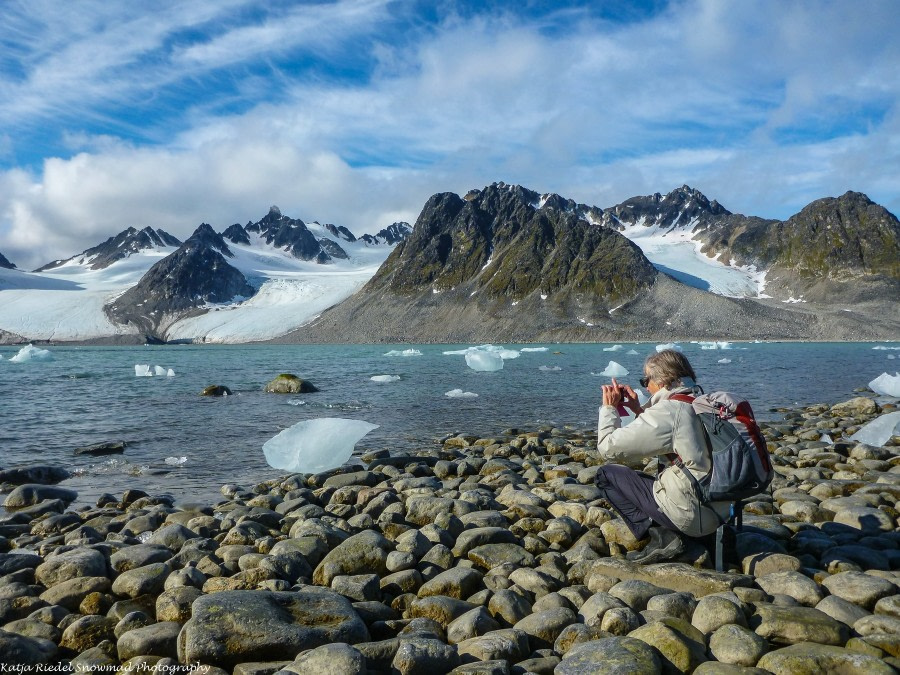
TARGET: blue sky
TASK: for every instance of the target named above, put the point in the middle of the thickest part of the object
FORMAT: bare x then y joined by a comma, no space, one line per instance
355,111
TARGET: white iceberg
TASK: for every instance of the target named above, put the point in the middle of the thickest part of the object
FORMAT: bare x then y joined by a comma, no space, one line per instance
384,378
724,361
175,461
159,370
459,393
883,348
891,357
457,352
879,431
886,385
506,354
484,361
170,373
614,348
614,369
669,345
550,369
715,345
632,352
500,351
534,349
31,353
142,370
315,445
405,352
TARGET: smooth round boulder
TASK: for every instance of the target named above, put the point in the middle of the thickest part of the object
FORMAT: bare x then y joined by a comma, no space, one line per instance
619,656
20,650
790,625
715,611
30,494
793,584
286,383
158,639
737,645
859,588
88,631
147,580
78,562
363,553
814,659
544,627
332,659
680,645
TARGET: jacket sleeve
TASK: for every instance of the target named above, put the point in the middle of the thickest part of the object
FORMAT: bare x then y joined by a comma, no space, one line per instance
647,436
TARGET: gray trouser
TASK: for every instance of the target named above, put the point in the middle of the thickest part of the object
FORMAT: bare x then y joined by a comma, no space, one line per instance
631,494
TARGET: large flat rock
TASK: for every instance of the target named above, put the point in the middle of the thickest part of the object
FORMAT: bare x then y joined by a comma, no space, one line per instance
679,577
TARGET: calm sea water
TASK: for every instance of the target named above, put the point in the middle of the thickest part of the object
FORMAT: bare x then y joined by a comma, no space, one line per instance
186,445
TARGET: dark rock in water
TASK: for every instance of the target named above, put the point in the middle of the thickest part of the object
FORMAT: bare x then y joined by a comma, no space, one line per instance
32,493
232,627
216,390
108,448
290,384
34,474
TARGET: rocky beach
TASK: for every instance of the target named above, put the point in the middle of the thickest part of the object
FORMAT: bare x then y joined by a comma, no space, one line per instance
486,555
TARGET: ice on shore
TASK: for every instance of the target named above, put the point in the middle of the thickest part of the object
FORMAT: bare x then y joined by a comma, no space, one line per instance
886,385
825,438
31,353
484,361
459,393
614,369
405,352
550,369
879,431
535,349
315,445
614,348
724,361
715,345
669,345
384,378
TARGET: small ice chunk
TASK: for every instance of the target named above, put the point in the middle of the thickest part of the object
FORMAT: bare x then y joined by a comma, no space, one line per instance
459,393
884,347
879,431
484,361
886,385
724,361
534,349
669,345
632,352
457,352
614,369
891,357
825,438
170,373
144,537
550,369
315,445
405,352
643,399
506,354
159,370
142,370
31,353
614,348
384,378
715,345
175,461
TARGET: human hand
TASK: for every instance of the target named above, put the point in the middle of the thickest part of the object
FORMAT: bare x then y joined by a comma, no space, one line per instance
612,394
630,399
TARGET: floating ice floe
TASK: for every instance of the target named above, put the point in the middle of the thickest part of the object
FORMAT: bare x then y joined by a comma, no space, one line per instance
175,461
144,370
500,351
715,345
484,361
614,348
724,361
885,348
315,445
632,352
550,369
891,357
886,385
459,393
614,369
31,353
405,352
669,345
384,378
535,349
879,431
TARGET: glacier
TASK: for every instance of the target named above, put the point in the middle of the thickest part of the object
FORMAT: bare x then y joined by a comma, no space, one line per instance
315,445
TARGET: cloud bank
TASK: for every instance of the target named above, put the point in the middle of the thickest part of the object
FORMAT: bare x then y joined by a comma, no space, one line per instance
355,112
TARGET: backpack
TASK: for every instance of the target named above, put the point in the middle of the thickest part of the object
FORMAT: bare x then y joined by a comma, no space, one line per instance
741,465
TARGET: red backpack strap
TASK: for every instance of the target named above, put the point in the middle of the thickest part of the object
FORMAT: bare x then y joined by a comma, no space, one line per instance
744,415
684,398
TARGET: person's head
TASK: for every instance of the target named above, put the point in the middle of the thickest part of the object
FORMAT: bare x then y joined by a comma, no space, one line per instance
668,368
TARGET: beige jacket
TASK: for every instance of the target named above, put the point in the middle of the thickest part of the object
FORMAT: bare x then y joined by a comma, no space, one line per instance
664,427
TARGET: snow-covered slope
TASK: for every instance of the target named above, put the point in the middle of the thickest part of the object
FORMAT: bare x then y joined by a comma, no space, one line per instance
291,292
66,303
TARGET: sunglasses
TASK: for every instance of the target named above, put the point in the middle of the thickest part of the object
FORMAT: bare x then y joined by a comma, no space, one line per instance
644,381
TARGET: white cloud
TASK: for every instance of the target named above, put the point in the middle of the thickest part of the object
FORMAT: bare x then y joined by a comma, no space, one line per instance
764,106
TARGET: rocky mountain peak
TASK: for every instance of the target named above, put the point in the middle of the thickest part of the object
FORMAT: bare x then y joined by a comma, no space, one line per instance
6,264
206,237
682,207
390,235
128,242
293,236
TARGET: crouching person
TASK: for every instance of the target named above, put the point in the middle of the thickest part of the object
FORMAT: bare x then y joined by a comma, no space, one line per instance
666,507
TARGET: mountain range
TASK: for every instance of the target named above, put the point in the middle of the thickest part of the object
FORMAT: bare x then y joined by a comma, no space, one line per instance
502,263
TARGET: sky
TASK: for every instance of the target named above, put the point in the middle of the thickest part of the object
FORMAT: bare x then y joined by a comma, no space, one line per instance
354,112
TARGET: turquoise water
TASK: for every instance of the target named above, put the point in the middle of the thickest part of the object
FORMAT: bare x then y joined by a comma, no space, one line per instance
88,395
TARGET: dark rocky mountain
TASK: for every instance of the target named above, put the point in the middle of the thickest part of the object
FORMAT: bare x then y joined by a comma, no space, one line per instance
195,274
236,234
293,236
6,264
341,232
390,235
507,264
124,244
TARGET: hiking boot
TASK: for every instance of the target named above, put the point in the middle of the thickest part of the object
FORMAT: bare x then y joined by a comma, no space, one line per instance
664,545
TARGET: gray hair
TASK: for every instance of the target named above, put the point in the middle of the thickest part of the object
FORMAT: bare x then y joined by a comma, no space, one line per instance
668,367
